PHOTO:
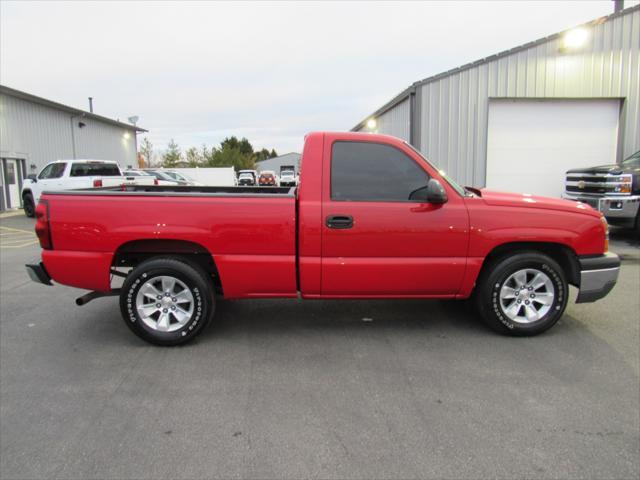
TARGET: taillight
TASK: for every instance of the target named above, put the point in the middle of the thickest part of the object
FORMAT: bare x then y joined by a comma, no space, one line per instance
97,182
43,227
155,181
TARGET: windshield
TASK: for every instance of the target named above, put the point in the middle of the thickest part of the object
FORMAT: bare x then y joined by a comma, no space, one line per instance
633,161
246,175
179,176
461,190
162,176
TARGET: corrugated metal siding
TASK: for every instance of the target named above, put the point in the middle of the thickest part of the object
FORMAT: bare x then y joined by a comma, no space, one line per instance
276,162
41,134
396,121
453,109
33,132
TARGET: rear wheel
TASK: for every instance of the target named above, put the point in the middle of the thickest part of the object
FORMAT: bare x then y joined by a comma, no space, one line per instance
166,301
29,205
522,294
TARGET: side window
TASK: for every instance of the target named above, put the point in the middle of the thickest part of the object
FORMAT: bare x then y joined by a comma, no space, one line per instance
364,171
46,172
58,170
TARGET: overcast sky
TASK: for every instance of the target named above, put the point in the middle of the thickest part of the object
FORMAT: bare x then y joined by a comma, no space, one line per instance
198,72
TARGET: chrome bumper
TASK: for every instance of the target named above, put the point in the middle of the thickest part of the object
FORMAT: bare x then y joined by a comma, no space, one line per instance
612,207
598,276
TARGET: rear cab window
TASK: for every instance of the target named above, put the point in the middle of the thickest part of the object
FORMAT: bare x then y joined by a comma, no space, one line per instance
95,170
373,172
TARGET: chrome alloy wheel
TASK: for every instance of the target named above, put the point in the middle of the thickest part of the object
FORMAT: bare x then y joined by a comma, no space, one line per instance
165,304
527,295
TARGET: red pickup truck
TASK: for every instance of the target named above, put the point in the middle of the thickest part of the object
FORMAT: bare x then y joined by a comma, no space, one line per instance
371,218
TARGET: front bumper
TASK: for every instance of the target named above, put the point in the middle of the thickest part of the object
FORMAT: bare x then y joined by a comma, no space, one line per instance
598,276
38,274
612,207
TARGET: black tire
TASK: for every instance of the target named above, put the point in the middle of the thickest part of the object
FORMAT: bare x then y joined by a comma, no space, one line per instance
499,272
200,308
29,205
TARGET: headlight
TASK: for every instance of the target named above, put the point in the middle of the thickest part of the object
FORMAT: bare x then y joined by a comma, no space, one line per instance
624,185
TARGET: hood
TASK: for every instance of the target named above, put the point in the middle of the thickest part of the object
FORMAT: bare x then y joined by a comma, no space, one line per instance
504,199
612,168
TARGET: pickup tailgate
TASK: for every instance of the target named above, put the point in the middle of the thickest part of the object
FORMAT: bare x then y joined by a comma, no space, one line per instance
251,237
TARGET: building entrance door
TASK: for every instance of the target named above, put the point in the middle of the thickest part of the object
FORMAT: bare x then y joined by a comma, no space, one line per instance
12,182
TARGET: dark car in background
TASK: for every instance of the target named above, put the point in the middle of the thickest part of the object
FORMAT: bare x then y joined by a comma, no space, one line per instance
612,189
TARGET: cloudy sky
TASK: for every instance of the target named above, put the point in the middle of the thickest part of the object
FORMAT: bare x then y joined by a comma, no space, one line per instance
270,71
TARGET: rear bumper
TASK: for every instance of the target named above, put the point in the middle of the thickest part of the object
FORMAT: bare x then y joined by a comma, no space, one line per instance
38,274
598,276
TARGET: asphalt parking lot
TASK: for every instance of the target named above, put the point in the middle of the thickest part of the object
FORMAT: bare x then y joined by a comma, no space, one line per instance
322,389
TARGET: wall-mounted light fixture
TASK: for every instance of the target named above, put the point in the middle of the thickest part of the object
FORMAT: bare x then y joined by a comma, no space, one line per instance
372,124
126,135
81,124
575,39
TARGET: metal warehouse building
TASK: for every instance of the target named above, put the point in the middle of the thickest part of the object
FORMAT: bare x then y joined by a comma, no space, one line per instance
35,131
275,163
518,120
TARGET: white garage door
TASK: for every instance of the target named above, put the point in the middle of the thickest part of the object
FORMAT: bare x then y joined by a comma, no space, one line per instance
532,143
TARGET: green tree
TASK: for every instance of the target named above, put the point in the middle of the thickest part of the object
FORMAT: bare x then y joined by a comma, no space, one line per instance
172,156
194,157
262,155
273,154
230,154
146,150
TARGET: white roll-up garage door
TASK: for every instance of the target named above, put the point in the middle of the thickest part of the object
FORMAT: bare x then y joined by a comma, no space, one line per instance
532,143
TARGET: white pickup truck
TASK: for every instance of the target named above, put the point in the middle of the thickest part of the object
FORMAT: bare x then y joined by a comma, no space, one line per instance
72,174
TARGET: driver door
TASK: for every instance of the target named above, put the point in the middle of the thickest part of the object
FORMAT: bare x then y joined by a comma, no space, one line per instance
375,240
48,179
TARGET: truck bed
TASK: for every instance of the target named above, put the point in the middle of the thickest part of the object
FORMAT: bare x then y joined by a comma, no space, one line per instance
181,190
250,231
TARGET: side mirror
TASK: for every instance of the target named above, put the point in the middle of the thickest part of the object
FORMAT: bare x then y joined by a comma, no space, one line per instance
33,177
436,192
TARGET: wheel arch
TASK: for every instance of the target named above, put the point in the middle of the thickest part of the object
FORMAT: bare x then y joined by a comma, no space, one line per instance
562,254
130,254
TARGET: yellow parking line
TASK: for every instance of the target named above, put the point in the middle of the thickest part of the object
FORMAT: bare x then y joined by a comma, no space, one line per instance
16,230
18,246
18,240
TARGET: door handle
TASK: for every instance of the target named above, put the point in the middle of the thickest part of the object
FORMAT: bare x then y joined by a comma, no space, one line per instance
339,221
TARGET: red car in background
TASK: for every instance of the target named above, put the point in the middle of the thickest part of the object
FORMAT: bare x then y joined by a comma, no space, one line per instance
267,179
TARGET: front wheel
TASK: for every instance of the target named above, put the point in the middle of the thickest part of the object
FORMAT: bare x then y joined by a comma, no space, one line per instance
29,205
166,301
523,294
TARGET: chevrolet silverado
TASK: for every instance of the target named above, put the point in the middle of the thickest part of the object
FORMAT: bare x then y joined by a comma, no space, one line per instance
371,218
